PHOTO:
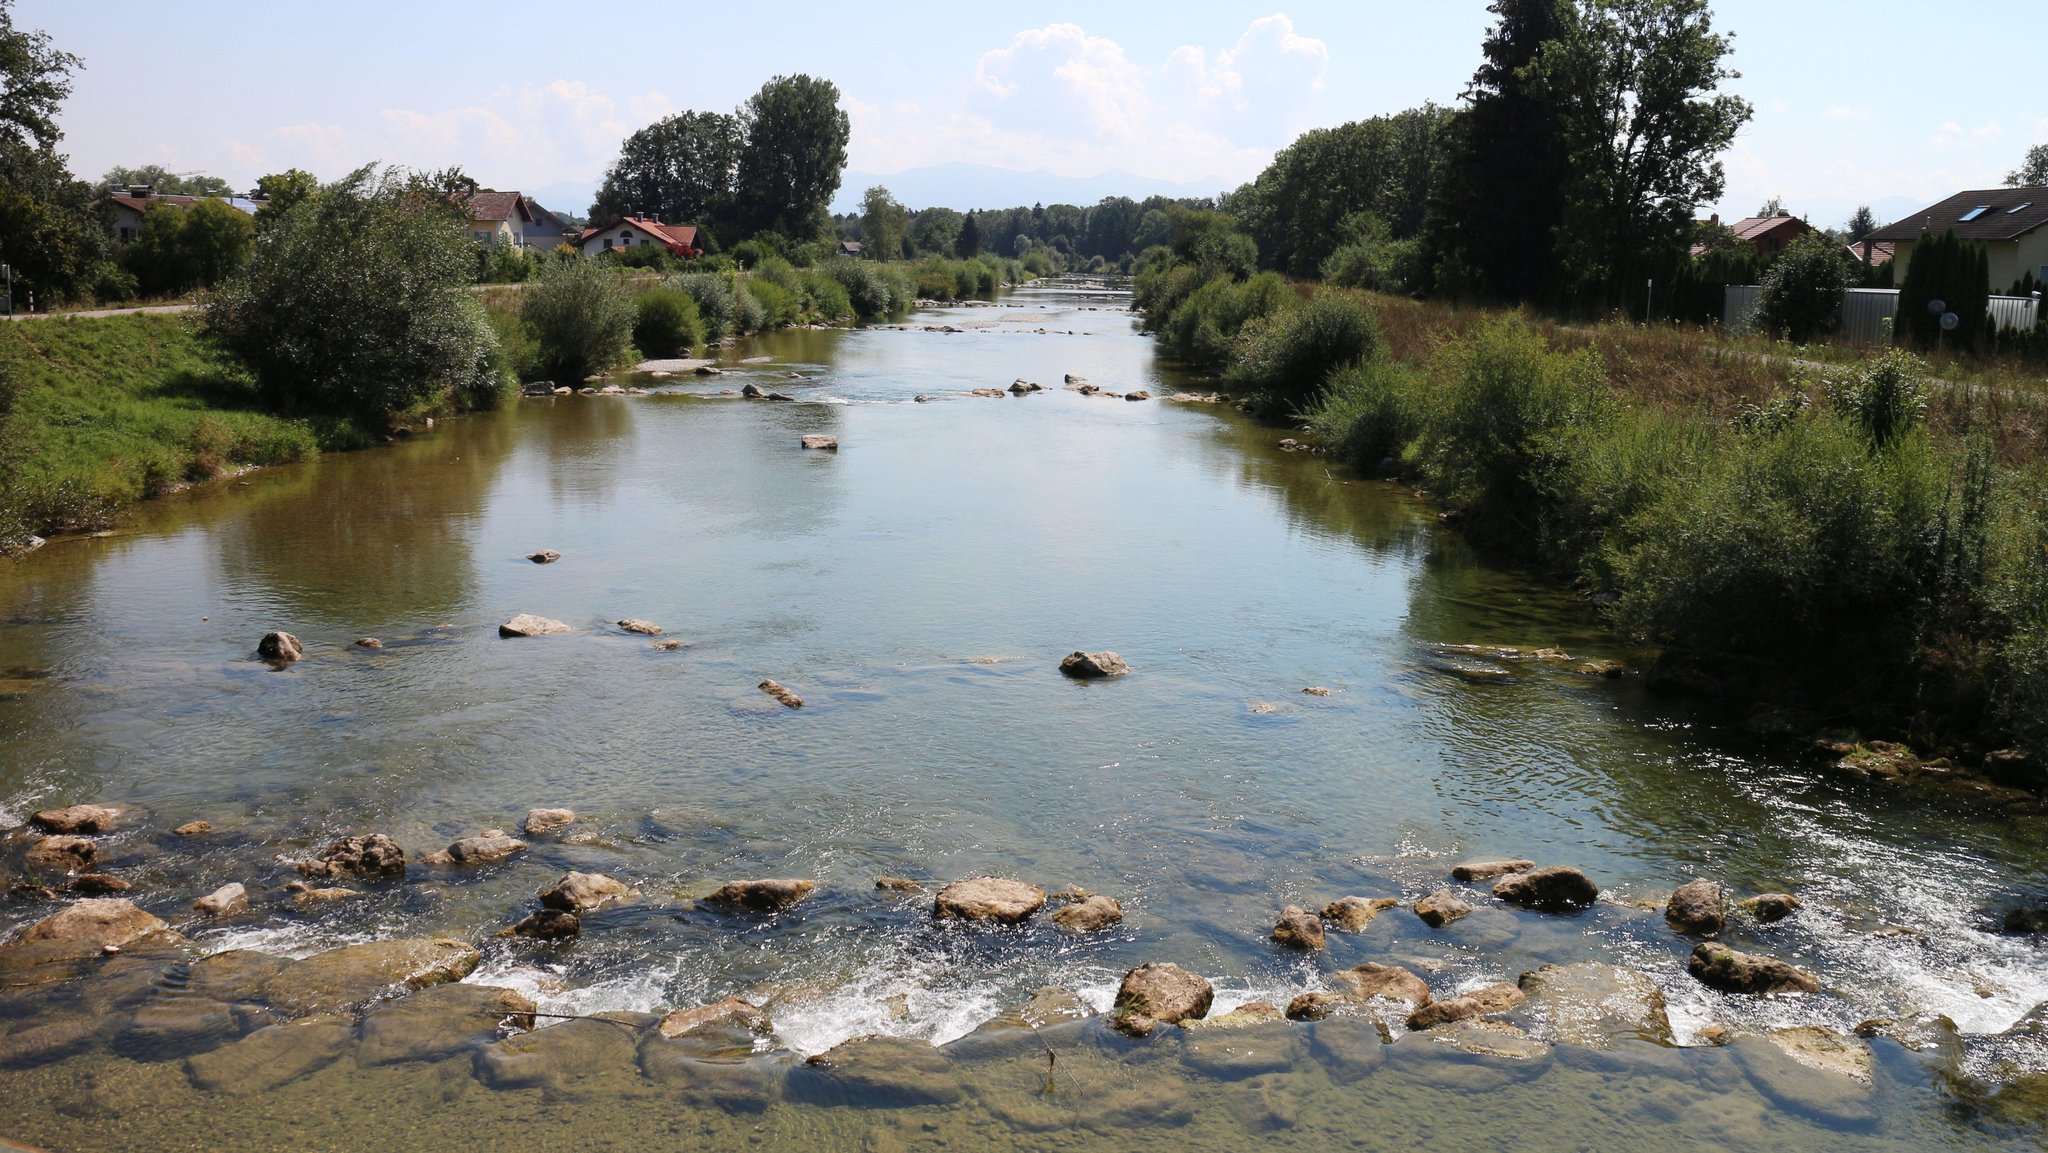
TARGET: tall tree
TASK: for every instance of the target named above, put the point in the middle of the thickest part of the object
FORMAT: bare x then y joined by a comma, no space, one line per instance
968,246
50,231
1384,166
937,230
2032,172
280,191
1862,223
883,225
794,154
1501,200
163,180
1634,83
679,170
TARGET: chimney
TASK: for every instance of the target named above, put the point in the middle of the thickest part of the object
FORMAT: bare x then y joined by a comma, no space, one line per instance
1714,219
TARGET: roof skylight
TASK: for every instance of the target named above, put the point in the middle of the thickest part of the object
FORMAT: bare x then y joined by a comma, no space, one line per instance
1974,213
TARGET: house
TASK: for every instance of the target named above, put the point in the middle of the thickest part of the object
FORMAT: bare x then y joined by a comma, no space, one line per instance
635,232
2008,222
546,232
1873,252
1767,235
510,219
849,248
131,204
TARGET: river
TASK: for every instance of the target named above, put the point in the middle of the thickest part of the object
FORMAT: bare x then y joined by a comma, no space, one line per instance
917,588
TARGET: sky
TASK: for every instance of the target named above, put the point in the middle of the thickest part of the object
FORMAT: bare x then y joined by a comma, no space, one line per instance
1878,102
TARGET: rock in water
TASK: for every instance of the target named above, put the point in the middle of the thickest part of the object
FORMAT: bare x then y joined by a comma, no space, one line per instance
1697,907
271,1057
1441,908
540,822
898,885
731,1013
193,829
1487,870
1491,999
582,892
1072,379
281,647
98,884
548,925
375,855
371,643
1089,914
343,978
1719,967
438,1021
1298,928
79,820
1090,665
1141,394
1160,993
1552,889
225,901
764,896
988,899
528,625
828,443
644,628
491,846
1598,1006
544,556
1388,982
61,855
1771,907
98,921
774,689
753,392
1353,914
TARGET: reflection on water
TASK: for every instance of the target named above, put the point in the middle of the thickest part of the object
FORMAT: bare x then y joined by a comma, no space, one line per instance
917,588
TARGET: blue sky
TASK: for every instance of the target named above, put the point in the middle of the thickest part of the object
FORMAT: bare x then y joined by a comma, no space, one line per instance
1193,95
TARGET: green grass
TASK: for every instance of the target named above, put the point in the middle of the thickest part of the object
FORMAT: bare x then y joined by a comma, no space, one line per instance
112,410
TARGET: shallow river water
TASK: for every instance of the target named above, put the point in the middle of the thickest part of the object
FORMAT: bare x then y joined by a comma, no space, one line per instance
917,589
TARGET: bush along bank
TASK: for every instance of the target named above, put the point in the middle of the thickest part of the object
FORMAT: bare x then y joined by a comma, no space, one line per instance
1821,554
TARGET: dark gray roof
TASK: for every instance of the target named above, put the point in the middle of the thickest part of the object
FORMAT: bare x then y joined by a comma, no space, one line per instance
2008,214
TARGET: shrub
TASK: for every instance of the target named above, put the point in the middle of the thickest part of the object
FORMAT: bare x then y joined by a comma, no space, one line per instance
1801,299
717,302
1203,327
505,264
1885,398
829,299
356,302
871,289
667,322
1369,412
1286,358
777,306
582,316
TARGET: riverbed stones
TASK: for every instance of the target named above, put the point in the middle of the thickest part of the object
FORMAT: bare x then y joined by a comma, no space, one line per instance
753,391
435,1022
1441,908
226,901
81,820
1472,871
61,854
544,556
1160,993
488,847
1091,666
1811,1071
98,885
98,921
582,892
991,900
270,1057
1719,967
305,896
1552,889
547,925
878,1072
280,647
764,896
1770,908
1698,908
897,885
1089,914
1249,1040
644,628
1497,998
1020,387
1353,914
193,829
820,443
1372,981
343,978
372,855
1597,1005
775,689
169,1026
1139,394
43,1039
1299,929
590,1056
541,822
529,625
731,1013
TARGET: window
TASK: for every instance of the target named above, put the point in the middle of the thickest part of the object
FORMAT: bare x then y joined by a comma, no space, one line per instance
607,242
2019,208
1974,213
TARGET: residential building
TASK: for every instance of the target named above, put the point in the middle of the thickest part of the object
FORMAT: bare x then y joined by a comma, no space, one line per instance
2008,222
131,204
849,248
635,232
1767,235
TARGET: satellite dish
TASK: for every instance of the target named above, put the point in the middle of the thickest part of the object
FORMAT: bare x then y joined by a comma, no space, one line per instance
1949,320
1937,307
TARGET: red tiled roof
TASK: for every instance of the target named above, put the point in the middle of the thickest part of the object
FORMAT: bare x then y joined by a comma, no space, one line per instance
674,235
492,206
1752,227
142,203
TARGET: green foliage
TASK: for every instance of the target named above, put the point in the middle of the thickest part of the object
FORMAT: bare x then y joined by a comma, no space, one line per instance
1954,272
1203,328
968,245
281,192
583,317
2033,169
181,249
1369,413
829,299
165,182
794,153
937,230
884,225
50,231
1885,398
1386,166
506,264
356,303
1368,257
679,169
1284,360
871,290
667,323
777,306
1802,291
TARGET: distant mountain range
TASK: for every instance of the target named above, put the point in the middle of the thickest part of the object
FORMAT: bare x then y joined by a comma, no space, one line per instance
970,186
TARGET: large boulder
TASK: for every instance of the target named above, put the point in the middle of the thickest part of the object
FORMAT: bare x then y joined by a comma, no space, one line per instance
271,1057
1089,914
343,978
1441,908
1353,914
1087,666
1598,1006
529,625
988,899
1472,871
1479,1002
82,820
540,822
1552,889
98,921
437,1021
375,855
1699,908
1390,982
1719,967
1298,928
490,846
1160,993
280,647
582,892
767,896
60,855
547,925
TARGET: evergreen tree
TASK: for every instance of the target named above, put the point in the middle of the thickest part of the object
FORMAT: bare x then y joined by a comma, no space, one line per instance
968,246
1862,224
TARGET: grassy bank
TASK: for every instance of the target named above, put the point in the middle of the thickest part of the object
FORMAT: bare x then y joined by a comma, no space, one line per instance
1854,542
108,411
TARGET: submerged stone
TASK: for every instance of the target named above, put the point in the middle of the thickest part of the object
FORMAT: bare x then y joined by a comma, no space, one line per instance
731,1013
437,1021
768,896
877,1072
1245,1042
1808,1076
582,892
489,847
1598,1006
41,1040
270,1057
547,925
343,978
1491,999
540,822
593,1056
774,688
1769,908
98,921
226,901
1353,914
1441,908
61,854
1472,871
